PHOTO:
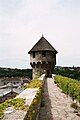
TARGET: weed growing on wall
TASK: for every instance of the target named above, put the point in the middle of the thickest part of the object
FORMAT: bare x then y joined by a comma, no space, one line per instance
35,105
17,103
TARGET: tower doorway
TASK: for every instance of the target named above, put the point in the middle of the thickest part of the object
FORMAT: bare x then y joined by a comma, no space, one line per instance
48,73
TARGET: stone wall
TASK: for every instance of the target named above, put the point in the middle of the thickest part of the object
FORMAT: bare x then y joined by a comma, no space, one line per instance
32,98
42,64
50,57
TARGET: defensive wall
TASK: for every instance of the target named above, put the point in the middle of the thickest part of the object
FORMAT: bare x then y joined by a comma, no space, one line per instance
32,95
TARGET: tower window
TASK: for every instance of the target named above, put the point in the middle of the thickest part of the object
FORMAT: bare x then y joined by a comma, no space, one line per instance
33,54
38,64
43,54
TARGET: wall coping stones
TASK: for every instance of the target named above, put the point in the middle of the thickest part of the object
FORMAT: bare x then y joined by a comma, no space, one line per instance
28,94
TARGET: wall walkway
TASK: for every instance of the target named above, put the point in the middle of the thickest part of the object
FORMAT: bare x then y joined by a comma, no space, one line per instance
56,104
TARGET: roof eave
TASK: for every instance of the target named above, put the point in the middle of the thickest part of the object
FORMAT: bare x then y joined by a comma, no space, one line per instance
42,50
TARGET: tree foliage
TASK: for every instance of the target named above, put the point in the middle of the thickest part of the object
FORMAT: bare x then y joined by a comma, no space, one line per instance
8,72
71,72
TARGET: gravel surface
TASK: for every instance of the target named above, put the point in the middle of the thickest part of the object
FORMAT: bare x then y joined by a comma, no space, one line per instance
56,104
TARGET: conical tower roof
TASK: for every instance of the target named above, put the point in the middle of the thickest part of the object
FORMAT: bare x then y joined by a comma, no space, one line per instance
42,45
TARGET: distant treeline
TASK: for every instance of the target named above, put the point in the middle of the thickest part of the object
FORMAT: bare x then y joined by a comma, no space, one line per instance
8,72
72,72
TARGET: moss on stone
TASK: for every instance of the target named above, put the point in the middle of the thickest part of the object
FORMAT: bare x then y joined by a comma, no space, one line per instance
17,103
35,84
35,105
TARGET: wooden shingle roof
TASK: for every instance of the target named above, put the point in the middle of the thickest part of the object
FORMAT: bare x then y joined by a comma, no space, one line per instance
42,45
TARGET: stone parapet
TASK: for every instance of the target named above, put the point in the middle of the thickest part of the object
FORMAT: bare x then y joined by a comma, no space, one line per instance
32,95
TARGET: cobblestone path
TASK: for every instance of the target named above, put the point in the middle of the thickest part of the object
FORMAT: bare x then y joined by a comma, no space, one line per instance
56,104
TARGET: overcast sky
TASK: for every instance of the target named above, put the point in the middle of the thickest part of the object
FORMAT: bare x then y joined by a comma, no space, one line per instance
22,23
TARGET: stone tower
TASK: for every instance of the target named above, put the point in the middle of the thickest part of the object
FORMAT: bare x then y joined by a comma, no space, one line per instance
42,58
